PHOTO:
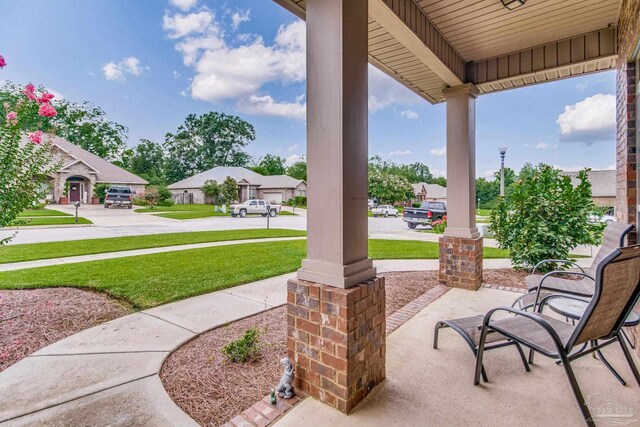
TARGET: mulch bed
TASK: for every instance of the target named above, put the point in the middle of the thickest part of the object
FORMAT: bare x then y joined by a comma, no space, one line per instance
213,391
33,319
505,277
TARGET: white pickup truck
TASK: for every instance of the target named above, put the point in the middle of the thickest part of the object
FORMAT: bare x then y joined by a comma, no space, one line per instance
254,207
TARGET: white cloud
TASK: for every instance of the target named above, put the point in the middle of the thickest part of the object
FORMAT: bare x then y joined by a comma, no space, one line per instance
541,146
293,147
400,153
438,172
224,71
293,159
176,74
409,114
117,71
181,25
439,152
489,174
590,120
239,17
267,106
384,91
183,4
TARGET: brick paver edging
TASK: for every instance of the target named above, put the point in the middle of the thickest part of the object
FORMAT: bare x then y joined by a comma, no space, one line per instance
263,413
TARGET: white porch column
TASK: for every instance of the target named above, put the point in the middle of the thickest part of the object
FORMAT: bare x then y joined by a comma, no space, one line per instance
337,144
461,161
461,244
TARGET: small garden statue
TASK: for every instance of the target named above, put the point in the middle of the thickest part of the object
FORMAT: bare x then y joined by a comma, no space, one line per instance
285,386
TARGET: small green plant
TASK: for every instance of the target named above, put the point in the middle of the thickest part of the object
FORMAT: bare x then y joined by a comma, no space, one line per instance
438,226
243,349
65,192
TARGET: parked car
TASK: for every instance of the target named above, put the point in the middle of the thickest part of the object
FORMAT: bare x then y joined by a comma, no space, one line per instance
384,210
254,207
425,214
372,203
119,196
606,219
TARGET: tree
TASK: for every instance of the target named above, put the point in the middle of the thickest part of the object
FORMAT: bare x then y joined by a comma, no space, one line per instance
212,190
415,172
420,173
24,168
298,170
386,187
206,141
270,165
544,216
487,192
440,180
83,124
147,159
228,191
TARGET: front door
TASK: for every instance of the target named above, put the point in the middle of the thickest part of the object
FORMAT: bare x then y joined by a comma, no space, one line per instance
74,191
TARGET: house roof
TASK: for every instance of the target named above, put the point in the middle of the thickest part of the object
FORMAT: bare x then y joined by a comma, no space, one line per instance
105,171
220,173
434,191
603,182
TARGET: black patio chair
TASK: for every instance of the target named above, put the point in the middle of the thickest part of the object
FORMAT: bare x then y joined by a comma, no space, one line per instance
617,288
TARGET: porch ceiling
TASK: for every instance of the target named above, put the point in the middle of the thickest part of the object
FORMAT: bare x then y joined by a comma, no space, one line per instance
429,45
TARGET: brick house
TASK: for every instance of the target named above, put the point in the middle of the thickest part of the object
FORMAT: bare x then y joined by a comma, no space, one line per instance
251,185
81,171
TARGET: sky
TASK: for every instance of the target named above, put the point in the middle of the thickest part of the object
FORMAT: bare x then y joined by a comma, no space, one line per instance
150,63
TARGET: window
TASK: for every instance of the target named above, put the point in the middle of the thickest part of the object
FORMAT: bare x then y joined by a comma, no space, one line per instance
252,192
261,202
253,203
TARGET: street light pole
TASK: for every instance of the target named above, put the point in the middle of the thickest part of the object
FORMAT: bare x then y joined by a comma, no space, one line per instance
503,151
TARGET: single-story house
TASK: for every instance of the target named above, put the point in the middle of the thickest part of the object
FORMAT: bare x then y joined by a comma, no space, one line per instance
82,170
603,186
251,185
432,192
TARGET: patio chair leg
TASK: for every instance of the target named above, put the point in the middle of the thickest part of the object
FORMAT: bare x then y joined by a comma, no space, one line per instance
531,352
608,365
624,334
630,361
584,409
479,354
522,357
435,334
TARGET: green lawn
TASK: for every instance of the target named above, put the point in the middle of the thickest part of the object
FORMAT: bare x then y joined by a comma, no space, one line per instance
483,212
35,251
177,208
150,280
48,220
42,212
188,211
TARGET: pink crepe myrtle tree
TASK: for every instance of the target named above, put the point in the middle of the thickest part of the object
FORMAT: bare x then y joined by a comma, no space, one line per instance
24,167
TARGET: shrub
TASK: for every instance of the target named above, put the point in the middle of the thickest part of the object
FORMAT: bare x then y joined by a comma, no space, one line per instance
415,204
243,349
297,201
100,191
545,217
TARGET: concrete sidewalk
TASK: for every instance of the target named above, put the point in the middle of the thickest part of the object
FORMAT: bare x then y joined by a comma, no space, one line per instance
109,374
134,252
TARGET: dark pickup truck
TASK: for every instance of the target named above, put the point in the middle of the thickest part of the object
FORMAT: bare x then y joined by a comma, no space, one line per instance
425,214
119,196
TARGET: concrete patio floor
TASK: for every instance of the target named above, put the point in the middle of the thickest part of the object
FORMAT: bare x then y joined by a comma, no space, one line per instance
435,387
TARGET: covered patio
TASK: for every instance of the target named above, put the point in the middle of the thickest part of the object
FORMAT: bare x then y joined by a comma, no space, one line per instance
444,51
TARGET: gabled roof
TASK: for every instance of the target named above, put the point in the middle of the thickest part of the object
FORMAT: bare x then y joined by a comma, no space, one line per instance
106,171
603,182
240,174
433,191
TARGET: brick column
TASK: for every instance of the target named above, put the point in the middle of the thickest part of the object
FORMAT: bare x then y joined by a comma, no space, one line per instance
461,262
336,337
626,147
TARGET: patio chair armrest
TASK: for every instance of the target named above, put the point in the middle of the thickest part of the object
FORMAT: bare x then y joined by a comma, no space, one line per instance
532,316
557,273
544,300
562,261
